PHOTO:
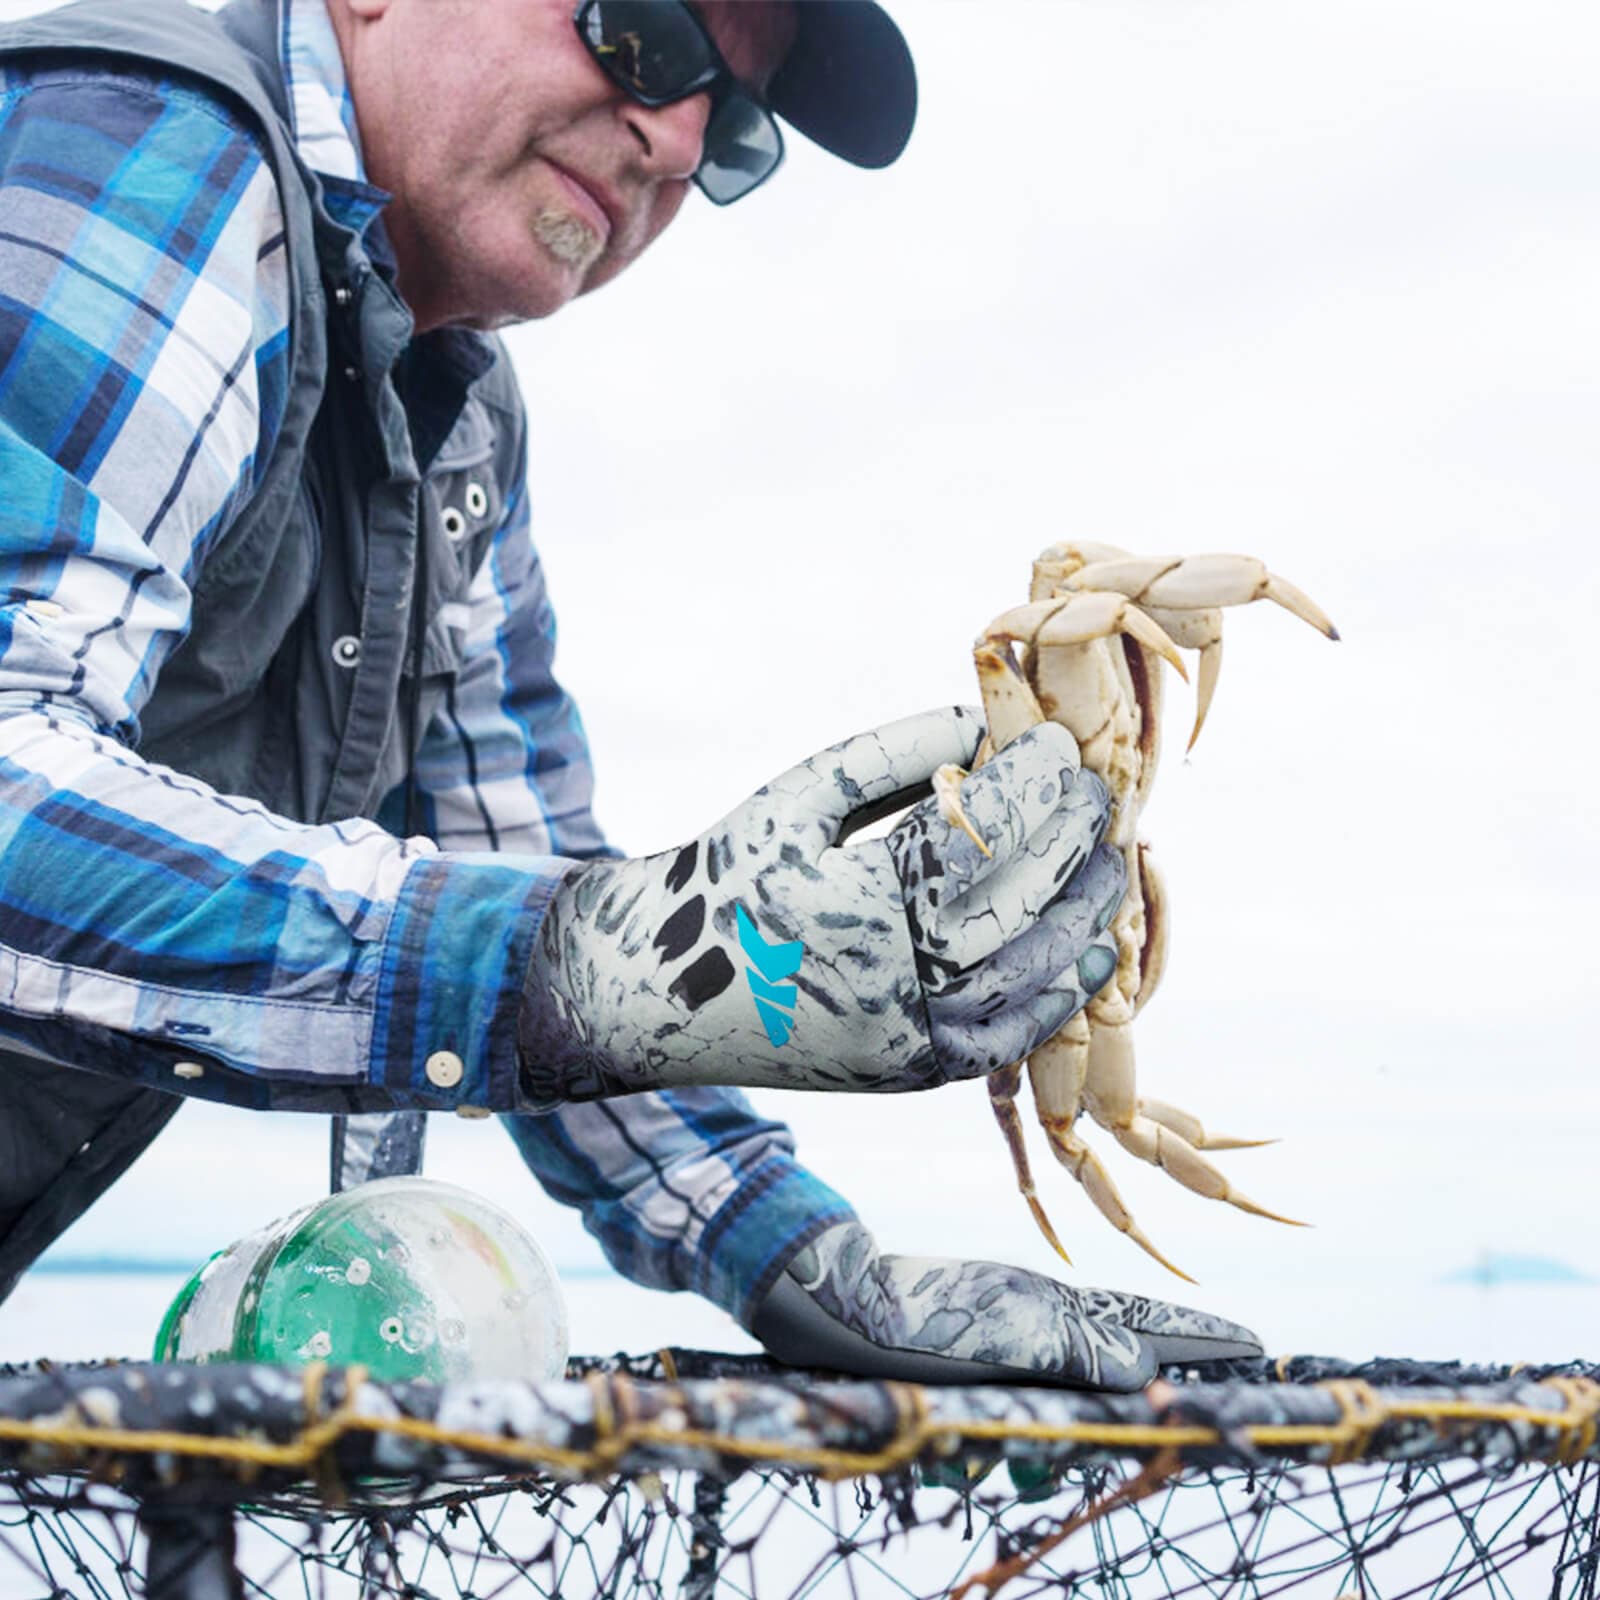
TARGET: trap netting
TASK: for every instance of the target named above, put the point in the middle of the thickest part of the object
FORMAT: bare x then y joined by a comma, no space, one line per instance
691,1475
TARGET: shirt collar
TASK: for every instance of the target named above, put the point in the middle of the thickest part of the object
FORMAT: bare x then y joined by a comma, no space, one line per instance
326,134
322,113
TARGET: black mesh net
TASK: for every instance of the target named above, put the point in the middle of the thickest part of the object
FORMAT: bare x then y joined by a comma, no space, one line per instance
689,1475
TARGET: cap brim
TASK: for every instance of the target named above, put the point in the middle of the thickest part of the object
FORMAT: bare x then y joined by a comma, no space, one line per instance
848,84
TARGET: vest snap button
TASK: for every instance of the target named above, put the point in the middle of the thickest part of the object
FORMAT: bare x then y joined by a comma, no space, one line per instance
188,1069
444,1069
477,500
454,523
342,295
352,374
346,650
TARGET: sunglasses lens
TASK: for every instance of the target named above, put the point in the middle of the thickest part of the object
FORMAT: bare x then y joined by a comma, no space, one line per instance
742,148
655,52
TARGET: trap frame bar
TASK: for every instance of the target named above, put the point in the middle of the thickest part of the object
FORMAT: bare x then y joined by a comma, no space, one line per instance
682,1449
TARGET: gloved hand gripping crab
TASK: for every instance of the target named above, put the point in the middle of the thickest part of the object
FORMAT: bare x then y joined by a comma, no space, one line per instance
1098,624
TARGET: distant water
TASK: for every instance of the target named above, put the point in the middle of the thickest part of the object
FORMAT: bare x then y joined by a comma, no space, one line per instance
1492,1271
114,1310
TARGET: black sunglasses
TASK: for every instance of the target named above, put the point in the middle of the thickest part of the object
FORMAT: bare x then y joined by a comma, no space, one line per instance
658,51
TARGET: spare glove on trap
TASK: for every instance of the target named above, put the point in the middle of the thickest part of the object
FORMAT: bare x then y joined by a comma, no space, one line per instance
771,953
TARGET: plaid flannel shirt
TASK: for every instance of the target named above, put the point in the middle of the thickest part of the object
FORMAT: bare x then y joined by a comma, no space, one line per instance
143,364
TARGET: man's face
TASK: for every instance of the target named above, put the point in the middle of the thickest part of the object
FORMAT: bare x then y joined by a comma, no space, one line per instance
521,175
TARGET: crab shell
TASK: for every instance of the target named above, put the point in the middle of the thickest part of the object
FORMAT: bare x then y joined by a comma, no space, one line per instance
1086,651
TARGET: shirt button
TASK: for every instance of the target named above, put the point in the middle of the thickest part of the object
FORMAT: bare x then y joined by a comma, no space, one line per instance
444,1069
188,1069
346,650
352,373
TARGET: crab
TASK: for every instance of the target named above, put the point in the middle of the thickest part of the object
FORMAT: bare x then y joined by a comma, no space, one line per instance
1098,625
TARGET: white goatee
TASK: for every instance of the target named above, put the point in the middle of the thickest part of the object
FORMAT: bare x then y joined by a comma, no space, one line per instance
571,241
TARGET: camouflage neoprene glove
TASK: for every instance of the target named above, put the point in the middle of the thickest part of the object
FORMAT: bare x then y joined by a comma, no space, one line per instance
773,951
843,1304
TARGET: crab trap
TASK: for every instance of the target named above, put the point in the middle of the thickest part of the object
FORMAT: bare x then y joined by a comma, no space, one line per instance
690,1475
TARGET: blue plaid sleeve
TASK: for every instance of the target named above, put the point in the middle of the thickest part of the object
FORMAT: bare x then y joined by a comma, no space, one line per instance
148,926
686,1189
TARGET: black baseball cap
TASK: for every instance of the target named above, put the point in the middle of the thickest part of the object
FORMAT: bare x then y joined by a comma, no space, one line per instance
848,83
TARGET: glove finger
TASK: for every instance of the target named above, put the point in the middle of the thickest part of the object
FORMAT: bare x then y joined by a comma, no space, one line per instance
1000,1011
969,1047
1174,1333
972,926
1007,801
876,771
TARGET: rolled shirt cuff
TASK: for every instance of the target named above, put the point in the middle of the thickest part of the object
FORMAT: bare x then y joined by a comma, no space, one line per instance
449,989
776,1210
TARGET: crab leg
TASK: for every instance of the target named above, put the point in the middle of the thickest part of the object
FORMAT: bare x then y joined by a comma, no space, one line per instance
1157,925
1196,582
1003,1084
1057,1070
1078,618
947,792
1009,709
1191,1130
1167,587
1109,1098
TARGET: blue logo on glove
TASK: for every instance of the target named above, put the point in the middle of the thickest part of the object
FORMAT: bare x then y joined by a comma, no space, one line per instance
775,1001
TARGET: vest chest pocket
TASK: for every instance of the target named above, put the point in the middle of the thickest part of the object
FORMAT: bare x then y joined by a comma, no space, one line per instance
460,508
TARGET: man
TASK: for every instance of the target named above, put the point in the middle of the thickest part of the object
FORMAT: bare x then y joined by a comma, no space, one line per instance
293,813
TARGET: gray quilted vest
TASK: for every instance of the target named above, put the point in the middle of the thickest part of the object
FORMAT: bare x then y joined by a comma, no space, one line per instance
314,658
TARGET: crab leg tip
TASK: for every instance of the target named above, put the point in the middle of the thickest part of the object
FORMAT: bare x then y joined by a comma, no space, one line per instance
1046,1229
1142,1239
947,789
1149,1249
1301,604
1333,633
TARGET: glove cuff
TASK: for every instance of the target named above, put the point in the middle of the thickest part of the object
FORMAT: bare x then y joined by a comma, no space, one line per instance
777,1209
554,1064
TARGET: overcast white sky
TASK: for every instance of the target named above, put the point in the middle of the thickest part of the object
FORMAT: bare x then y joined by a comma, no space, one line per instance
1312,282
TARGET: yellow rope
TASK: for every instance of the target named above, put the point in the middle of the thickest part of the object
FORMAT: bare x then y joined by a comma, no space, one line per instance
1364,1413
1582,1415
618,1428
